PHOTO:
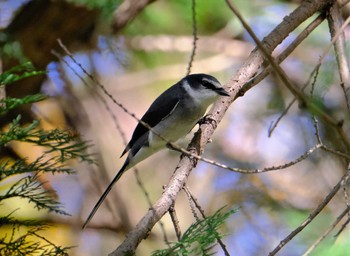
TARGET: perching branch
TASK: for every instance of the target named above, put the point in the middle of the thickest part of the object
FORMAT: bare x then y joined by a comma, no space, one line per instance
186,164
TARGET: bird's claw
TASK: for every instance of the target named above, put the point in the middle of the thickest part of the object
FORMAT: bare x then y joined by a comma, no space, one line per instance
208,119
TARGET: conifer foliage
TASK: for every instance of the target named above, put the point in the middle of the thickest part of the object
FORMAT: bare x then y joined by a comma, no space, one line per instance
23,236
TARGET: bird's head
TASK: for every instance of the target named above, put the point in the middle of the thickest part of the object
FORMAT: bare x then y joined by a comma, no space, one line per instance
203,88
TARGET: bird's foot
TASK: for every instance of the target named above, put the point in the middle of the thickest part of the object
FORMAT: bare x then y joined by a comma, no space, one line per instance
208,119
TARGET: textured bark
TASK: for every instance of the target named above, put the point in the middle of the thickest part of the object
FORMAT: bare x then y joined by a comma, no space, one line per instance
186,164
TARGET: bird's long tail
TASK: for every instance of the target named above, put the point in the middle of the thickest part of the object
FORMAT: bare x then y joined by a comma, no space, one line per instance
105,193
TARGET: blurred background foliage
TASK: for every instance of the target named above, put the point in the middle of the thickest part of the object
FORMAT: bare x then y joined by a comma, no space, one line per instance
136,62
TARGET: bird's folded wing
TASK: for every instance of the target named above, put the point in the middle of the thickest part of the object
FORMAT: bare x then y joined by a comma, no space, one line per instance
160,109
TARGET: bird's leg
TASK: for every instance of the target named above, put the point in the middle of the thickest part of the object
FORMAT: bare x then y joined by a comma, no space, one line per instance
208,119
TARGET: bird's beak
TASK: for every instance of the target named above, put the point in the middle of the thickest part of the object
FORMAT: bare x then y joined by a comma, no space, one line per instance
222,92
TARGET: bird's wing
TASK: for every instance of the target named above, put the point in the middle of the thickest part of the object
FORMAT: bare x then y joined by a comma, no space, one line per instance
160,109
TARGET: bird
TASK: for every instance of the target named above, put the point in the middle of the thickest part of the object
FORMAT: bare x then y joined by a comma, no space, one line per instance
171,116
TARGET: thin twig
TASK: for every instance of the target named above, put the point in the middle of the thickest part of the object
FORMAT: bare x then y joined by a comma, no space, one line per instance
279,71
304,99
312,215
191,202
175,222
273,126
314,24
182,150
324,147
186,152
105,91
281,57
343,227
329,230
266,169
122,134
326,233
346,197
195,38
103,171
186,164
334,21
194,200
314,73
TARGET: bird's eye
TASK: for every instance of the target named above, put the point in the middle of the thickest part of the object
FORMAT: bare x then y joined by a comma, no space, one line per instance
208,85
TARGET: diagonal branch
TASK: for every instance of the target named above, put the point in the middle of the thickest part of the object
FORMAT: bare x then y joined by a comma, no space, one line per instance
127,11
186,164
334,21
312,215
304,99
328,231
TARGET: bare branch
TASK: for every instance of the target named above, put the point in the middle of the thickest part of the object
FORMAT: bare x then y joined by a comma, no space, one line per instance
117,125
314,73
175,222
304,99
343,227
195,38
290,48
326,233
312,215
334,21
160,207
304,34
194,201
127,11
186,164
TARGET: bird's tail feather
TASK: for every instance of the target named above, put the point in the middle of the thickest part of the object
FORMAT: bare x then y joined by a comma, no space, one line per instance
105,193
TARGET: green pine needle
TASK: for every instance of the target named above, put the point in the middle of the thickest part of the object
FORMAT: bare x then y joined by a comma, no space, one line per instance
31,189
29,243
10,103
18,73
200,237
65,142
59,146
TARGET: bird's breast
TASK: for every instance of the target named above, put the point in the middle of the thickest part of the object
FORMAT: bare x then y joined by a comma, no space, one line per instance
177,125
